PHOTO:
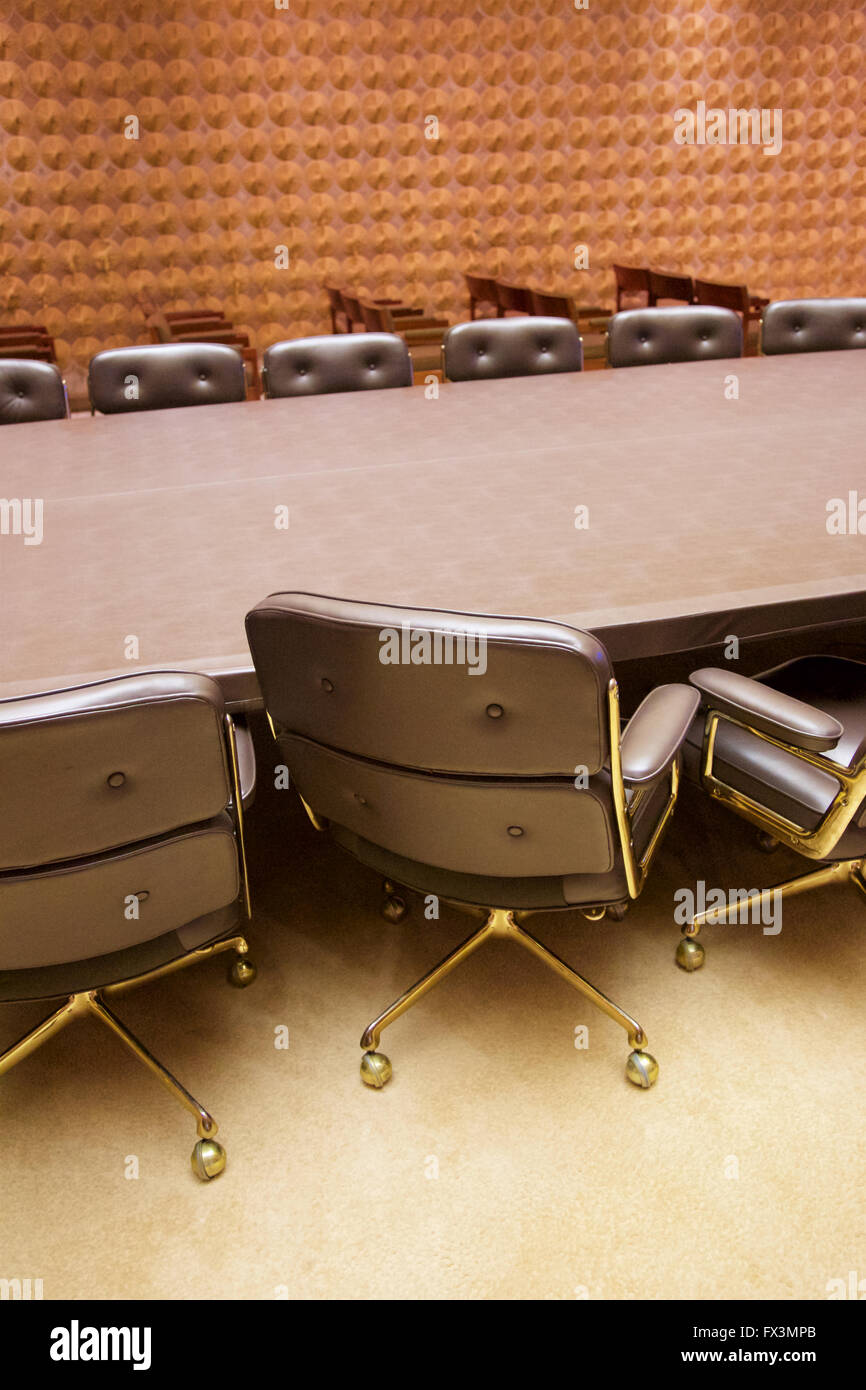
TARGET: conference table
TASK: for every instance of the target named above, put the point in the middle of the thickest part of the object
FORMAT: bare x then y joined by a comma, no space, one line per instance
664,508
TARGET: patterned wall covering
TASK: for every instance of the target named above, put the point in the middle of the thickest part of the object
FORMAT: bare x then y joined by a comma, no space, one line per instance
305,127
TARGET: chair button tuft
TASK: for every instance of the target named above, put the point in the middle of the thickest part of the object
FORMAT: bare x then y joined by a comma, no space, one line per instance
327,686
515,831
361,800
202,376
495,711
643,337
116,779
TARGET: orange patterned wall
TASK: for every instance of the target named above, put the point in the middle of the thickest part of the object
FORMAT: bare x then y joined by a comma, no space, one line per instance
305,127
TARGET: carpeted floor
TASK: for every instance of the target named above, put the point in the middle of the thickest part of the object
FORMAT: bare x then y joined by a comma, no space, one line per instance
501,1161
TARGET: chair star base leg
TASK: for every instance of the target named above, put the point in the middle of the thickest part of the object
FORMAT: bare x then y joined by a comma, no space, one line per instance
641,1068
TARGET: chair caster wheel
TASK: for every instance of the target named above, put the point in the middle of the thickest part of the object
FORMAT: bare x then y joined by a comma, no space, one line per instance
241,973
690,954
642,1069
394,909
208,1159
617,911
375,1070
766,842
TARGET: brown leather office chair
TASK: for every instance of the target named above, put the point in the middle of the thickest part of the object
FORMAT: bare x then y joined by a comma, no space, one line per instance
356,362
511,347
664,286
631,281
787,751
476,758
735,297
134,866
646,337
482,292
31,390
813,325
165,375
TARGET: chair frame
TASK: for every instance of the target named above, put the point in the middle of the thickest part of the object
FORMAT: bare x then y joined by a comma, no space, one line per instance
816,843
504,922
208,1157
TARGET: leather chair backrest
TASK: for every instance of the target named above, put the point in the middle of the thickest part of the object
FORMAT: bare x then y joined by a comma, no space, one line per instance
511,347
640,337
734,297
314,366
164,375
30,391
813,325
87,770
664,286
446,761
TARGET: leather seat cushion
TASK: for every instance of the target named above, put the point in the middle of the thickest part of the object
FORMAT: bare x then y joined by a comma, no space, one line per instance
79,911
74,977
519,894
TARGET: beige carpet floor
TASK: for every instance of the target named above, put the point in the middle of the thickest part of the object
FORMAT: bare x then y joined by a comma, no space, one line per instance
501,1162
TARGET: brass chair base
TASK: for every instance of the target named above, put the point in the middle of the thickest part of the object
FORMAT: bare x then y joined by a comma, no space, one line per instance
641,1066
691,954
208,1157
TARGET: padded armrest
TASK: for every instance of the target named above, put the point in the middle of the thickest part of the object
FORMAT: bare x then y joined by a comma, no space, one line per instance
246,761
767,710
655,733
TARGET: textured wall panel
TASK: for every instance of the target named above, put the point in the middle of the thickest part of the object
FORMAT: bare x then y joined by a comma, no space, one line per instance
306,128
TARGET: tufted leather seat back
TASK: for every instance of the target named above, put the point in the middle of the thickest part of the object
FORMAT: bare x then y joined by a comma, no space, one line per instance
813,325
113,794
163,375
117,762
314,366
511,347
452,738
640,337
30,391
